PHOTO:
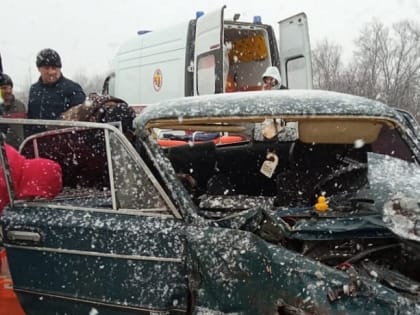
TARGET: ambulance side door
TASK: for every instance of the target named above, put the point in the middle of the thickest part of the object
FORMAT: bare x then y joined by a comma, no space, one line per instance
208,54
295,52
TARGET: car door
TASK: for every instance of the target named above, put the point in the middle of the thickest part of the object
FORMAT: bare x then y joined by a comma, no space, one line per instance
112,241
208,54
295,52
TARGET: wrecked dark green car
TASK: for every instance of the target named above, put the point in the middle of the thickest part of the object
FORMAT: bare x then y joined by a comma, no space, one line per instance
311,206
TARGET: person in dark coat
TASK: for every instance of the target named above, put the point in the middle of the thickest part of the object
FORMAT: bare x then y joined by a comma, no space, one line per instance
11,107
53,93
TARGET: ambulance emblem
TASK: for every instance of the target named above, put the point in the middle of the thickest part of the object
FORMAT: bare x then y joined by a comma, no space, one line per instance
157,80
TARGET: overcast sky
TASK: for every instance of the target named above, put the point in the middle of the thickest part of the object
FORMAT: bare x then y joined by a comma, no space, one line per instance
87,33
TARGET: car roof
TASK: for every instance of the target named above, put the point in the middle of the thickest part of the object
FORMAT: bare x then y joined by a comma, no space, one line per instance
267,103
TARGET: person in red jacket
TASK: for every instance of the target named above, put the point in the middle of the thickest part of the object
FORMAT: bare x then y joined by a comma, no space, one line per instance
31,178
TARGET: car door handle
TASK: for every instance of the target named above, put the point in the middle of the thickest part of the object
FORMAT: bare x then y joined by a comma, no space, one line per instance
24,236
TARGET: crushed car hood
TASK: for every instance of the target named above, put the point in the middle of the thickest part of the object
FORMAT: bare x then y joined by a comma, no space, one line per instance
242,252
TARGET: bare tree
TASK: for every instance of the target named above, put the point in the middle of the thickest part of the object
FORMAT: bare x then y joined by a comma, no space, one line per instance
90,84
402,78
385,65
371,46
327,65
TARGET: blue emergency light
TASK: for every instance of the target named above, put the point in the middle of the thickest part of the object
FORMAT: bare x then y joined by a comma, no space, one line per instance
141,32
198,14
257,19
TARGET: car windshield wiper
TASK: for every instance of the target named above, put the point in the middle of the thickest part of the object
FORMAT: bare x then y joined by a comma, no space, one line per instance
352,203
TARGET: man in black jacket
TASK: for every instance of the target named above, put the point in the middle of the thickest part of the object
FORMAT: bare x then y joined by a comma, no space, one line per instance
52,94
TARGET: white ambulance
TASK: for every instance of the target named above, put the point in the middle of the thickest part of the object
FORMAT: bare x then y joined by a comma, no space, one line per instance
208,55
